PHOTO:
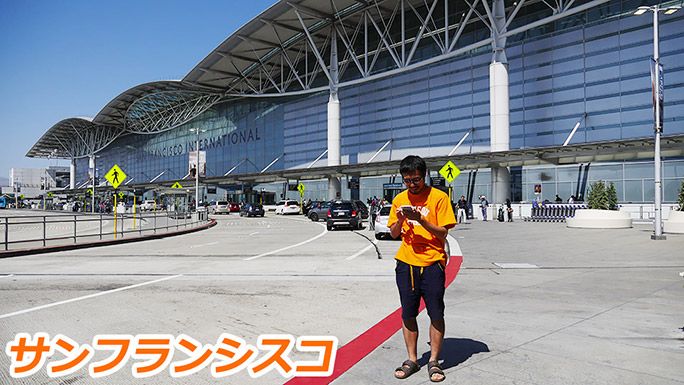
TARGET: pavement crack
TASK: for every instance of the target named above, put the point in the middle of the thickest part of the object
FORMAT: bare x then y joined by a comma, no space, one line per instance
377,250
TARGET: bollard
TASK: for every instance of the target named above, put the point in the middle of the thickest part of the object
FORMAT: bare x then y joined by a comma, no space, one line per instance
74,228
44,230
100,226
6,233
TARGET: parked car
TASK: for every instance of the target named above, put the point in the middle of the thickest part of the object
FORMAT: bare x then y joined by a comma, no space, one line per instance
147,205
234,207
219,207
287,207
343,213
318,210
381,229
363,208
252,210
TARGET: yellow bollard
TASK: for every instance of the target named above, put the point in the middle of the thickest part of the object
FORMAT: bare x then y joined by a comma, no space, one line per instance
134,211
114,216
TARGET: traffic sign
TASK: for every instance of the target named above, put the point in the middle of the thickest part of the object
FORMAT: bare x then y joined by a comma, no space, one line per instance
301,188
115,176
89,191
176,185
121,195
49,195
449,171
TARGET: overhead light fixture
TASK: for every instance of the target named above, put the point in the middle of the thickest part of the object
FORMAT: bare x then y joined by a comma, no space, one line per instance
641,10
669,11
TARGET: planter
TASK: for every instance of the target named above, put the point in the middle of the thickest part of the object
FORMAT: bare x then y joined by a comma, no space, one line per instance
674,223
600,219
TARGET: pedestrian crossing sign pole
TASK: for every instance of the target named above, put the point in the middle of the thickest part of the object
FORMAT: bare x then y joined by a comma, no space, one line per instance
115,176
301,189
450,172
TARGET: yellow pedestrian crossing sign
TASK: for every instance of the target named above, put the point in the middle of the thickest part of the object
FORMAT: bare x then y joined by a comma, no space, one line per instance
121,195
176,185
115,176
449,171
301,188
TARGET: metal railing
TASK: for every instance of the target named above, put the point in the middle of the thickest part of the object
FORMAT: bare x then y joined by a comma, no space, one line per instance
557,212
62,229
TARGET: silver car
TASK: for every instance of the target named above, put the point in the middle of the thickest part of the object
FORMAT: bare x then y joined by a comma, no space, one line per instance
319,211
220,207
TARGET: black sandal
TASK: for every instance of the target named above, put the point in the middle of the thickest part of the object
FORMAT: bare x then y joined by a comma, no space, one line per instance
408,367
435,368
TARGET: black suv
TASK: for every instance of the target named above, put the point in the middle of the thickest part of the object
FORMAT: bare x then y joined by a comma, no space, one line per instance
252,210
344,213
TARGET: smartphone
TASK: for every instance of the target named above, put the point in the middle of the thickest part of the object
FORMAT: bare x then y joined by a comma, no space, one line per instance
406,209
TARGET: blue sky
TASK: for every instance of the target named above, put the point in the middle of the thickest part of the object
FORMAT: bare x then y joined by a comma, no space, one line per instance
62,59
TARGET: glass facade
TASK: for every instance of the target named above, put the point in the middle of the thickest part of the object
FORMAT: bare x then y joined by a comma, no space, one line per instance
247,134
597,74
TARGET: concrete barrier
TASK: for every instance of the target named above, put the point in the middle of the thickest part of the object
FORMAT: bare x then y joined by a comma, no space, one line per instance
600,219
675,223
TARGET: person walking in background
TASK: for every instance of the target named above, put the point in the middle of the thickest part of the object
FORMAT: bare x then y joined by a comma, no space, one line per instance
483,206
559,199
509,210
422,215
462,209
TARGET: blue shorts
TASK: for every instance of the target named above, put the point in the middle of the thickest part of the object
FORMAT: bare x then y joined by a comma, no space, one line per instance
414,283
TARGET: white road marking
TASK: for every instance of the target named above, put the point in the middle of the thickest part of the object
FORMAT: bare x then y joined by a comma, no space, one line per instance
7,276
87,296
254,233
204,244
454,247
349,258
325,231
514,265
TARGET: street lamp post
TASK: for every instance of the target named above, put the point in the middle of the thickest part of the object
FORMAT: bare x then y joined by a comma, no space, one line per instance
658,124
197,169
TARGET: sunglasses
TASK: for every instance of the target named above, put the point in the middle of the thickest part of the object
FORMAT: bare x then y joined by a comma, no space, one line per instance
415,180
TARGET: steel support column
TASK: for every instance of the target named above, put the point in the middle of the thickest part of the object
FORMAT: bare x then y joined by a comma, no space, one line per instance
499,102
72,174
334,185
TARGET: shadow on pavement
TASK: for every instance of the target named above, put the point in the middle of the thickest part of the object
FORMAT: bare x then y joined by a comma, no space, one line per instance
456,351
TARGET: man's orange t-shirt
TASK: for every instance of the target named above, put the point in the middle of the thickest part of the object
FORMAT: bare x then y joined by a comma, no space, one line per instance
418,246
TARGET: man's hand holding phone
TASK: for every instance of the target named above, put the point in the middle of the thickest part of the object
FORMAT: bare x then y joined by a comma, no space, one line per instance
408,212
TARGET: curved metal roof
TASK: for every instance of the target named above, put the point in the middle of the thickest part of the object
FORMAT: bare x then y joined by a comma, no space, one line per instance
74,138
144,109
300,46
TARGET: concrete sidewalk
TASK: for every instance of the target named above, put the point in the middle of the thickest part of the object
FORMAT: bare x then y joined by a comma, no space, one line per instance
585,307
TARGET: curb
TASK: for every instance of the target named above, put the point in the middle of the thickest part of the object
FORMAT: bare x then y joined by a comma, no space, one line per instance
76,246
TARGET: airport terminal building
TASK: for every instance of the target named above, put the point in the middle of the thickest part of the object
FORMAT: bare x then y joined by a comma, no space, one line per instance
335,93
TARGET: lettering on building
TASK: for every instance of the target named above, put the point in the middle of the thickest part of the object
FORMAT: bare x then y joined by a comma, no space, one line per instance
229,139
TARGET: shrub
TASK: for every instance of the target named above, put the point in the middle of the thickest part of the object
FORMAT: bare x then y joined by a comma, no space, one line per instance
598,196
612,197
680,199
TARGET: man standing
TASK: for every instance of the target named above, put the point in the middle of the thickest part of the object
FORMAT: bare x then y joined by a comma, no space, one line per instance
462,209
483,206
423,216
